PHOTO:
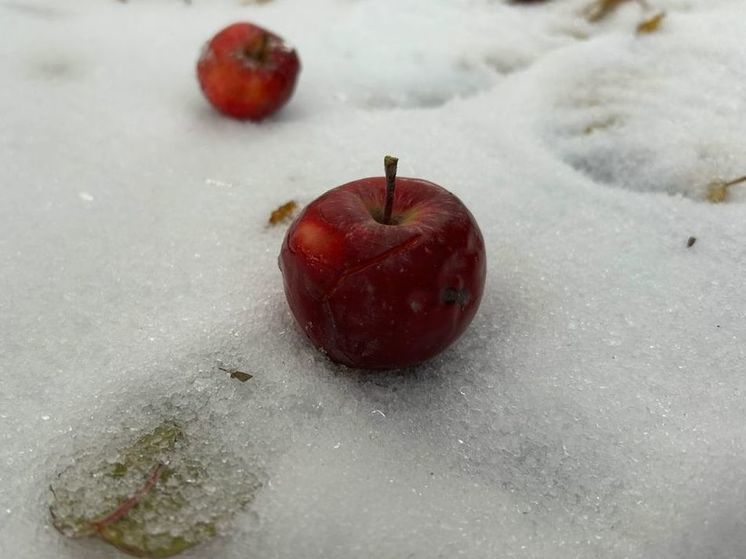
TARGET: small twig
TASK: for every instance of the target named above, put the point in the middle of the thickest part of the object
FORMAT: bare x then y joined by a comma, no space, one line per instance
736,181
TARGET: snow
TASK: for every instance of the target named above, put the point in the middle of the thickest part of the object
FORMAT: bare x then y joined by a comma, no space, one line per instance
593,409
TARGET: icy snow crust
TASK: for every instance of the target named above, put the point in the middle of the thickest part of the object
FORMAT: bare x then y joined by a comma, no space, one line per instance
595,408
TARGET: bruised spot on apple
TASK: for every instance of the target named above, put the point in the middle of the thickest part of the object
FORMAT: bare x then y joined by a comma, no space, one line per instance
384,273
311,239
456,296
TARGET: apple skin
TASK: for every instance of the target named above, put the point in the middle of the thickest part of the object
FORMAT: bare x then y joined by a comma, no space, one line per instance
376,296
247,72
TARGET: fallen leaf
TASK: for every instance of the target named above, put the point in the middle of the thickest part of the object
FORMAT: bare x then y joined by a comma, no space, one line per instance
717,191
131,467
160,496
283,212
236,374
651,24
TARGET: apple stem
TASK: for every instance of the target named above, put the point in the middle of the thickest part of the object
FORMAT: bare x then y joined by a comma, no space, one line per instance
389,163
258,50
263,46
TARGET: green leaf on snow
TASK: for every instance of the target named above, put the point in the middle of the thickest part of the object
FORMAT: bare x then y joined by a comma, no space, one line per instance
160,495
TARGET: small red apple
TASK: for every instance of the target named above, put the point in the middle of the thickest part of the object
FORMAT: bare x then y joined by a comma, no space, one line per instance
247,72
383,273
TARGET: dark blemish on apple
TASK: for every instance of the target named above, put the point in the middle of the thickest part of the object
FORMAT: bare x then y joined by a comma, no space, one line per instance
241,376
456,296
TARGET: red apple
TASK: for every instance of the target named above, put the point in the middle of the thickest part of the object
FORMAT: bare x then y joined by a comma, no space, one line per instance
383,279
247,72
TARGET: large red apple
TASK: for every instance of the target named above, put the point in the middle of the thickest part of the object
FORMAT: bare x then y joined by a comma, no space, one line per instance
247,72
383,273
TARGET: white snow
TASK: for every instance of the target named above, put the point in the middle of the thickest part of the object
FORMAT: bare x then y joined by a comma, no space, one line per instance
595,407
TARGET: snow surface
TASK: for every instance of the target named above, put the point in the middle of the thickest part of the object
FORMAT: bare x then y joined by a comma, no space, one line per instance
595,408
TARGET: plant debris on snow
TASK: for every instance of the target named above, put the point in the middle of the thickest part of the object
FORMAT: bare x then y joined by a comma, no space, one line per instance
651,24
283,213
717,191
155,498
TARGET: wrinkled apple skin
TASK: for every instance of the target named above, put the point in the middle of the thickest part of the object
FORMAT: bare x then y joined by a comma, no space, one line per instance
375,296
247,72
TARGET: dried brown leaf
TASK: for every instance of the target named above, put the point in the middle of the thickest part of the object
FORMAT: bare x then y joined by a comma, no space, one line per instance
717,191
236,374
160,498
283,213
651,24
